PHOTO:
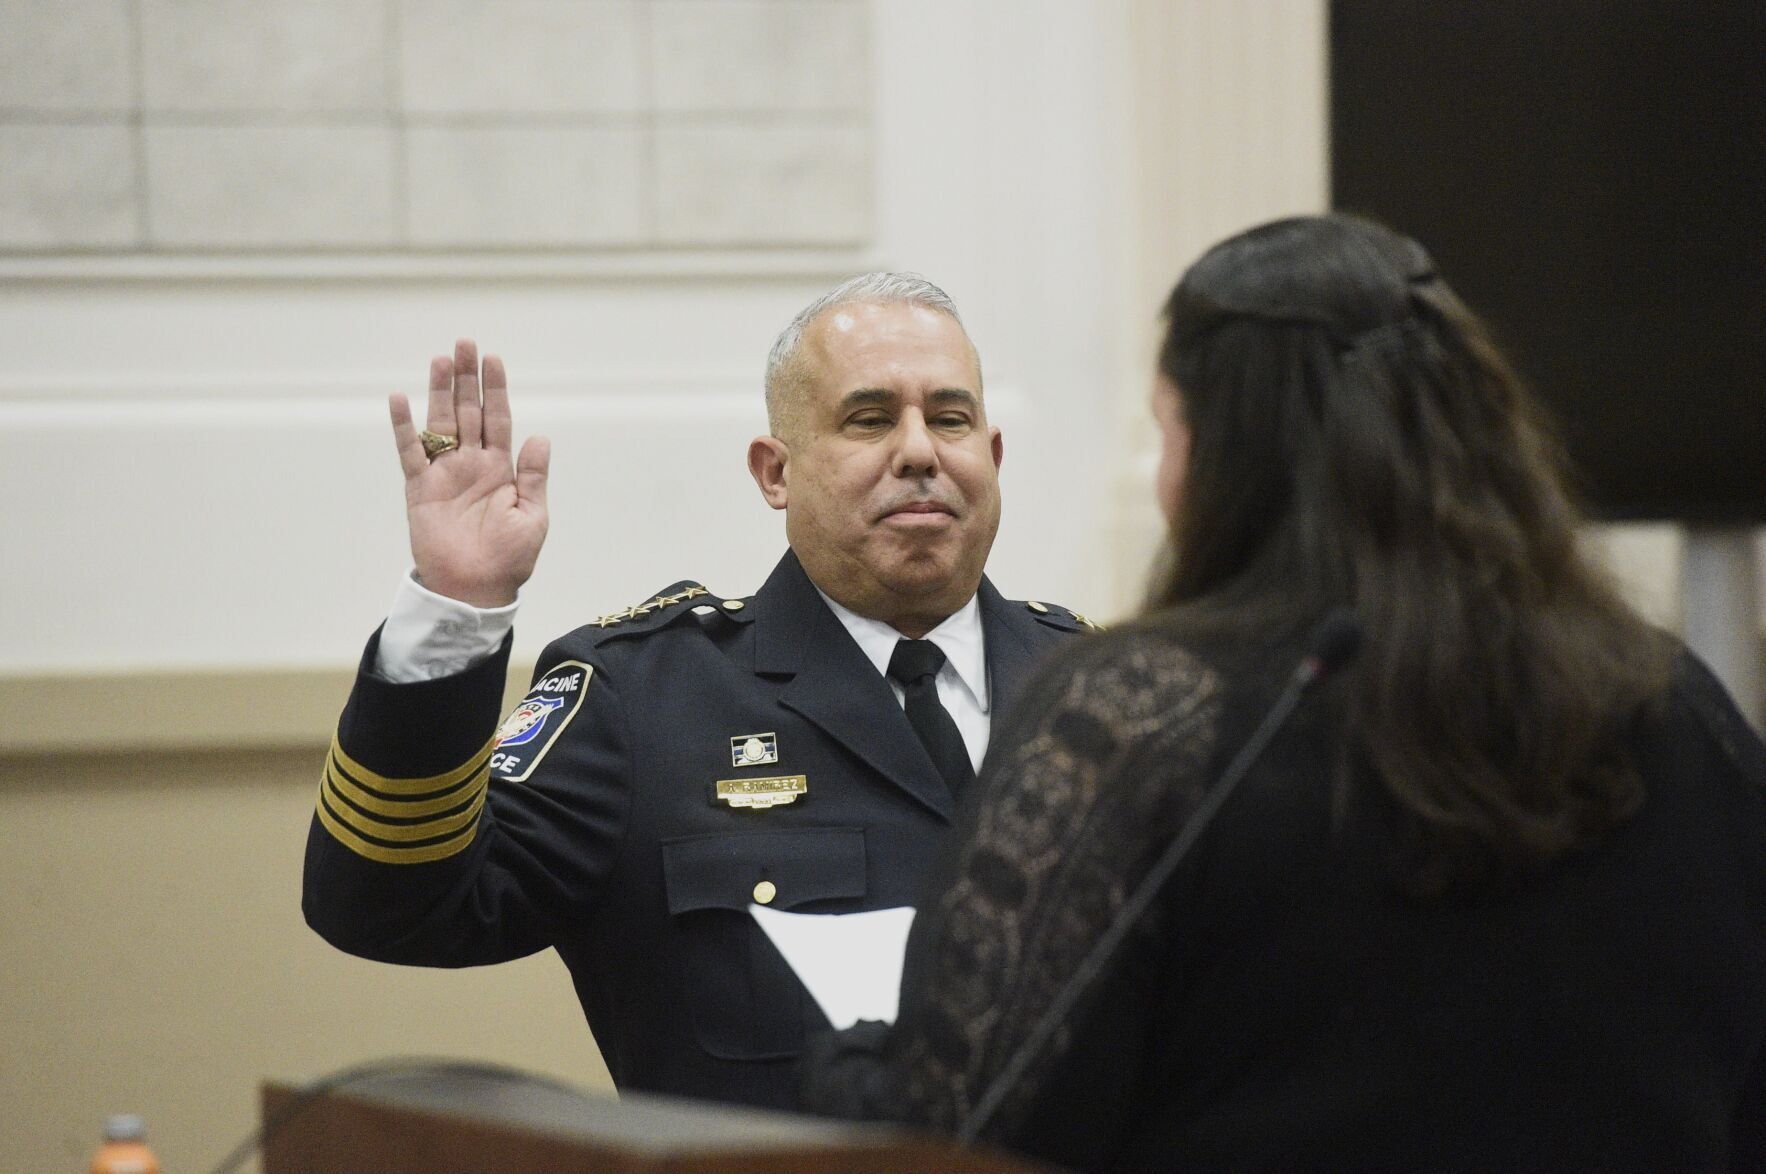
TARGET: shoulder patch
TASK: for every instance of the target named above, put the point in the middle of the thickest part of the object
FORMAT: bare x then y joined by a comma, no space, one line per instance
532,726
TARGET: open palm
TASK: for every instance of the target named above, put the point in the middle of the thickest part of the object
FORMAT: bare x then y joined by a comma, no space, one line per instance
477,517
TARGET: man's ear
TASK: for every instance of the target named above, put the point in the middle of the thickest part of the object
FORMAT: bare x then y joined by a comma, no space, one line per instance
767,459
997,442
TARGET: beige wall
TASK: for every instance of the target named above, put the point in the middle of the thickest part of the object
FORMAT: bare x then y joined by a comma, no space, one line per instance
156,962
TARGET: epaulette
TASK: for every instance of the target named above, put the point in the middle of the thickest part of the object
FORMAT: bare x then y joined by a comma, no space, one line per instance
664,608
1056,616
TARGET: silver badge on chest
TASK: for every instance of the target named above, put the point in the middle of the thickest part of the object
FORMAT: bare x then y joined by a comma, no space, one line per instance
754,749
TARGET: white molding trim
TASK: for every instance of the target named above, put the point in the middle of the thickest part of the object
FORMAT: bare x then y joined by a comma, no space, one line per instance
597,393
612,265
600,383
160,710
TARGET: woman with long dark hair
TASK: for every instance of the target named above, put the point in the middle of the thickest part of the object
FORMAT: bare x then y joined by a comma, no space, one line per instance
1493,897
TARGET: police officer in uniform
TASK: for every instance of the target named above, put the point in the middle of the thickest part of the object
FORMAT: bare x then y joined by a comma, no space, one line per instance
683,757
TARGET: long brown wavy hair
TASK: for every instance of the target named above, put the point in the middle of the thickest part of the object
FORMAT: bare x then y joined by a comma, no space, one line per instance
1357,439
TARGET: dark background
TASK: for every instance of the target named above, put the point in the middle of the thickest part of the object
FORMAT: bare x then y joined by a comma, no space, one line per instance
1591,177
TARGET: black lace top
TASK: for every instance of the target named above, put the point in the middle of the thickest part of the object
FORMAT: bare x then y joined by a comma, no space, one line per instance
1088,783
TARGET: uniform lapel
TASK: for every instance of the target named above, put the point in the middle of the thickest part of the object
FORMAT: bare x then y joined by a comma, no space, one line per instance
834,686
1014,641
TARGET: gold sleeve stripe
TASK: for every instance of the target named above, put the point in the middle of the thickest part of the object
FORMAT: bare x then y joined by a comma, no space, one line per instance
423,786
426,830
346,787
384,855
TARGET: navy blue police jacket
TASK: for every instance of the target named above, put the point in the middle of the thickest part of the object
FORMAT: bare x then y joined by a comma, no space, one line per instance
672,763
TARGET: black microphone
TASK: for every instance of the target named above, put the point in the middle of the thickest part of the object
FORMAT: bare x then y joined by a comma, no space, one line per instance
1333,644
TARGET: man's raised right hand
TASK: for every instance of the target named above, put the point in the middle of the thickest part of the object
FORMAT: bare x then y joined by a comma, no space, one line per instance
477,519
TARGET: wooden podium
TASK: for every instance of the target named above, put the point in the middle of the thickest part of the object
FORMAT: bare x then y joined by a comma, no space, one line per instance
465,1118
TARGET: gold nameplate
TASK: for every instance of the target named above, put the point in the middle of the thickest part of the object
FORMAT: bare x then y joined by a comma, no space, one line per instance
760,793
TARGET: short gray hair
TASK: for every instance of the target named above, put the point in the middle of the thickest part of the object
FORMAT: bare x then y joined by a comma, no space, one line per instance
865,289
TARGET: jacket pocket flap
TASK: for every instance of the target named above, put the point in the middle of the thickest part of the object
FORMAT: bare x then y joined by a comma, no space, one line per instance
797,866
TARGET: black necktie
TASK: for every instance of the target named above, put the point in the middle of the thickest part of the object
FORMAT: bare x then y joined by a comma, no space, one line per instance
914,666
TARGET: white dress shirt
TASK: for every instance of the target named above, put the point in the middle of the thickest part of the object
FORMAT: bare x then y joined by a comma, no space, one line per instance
427,636
962,682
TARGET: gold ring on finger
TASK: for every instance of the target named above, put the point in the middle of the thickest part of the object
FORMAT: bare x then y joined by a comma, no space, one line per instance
437,443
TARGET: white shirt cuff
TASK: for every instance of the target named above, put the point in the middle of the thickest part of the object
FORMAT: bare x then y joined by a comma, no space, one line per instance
428,636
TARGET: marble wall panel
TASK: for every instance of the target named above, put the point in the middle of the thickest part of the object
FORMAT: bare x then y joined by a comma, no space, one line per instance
270,187
530,56
521,185
760,55
66,55
729,183
67,187
245,55
389,125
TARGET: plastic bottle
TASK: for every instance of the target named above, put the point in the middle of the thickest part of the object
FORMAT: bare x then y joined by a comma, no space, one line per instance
125,1148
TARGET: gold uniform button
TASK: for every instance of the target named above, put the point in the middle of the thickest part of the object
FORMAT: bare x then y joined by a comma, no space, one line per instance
1039,608
734,605
764,893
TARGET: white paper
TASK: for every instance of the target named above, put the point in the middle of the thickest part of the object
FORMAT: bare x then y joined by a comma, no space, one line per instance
850,962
